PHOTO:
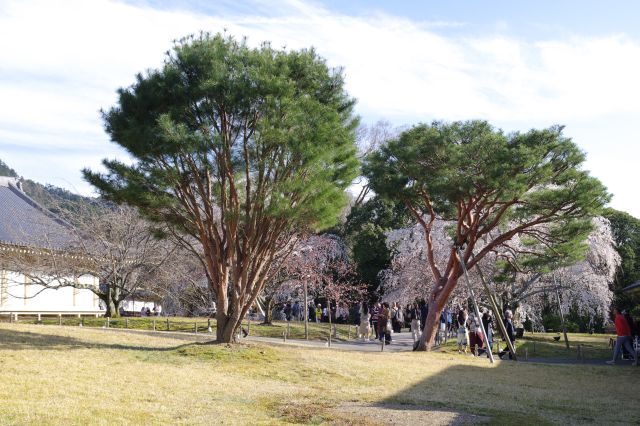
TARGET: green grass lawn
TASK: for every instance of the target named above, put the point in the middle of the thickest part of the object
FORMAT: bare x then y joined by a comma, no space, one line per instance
74,376
295,329
542,345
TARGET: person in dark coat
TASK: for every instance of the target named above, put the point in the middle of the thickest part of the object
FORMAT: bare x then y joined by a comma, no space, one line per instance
424,311
375,314
511,333
487,323
312,312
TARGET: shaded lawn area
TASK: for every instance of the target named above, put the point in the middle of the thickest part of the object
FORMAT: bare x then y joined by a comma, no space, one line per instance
72,375
187,324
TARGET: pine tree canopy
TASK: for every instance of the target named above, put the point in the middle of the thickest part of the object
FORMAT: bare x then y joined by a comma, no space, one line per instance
258,133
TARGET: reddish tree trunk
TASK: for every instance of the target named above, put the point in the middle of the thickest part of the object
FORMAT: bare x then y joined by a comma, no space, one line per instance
438,300
430,327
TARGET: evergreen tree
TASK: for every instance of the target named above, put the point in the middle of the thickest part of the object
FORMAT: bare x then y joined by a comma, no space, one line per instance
494,187
235,149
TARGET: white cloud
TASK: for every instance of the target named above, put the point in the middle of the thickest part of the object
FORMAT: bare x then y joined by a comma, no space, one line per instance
62,62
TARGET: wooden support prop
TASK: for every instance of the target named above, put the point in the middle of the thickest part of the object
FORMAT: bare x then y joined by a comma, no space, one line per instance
284,336
108,322
167,324
494,305
463,265
154,325
195,325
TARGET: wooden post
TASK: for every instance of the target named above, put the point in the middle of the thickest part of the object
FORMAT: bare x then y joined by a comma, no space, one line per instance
108,322
284,336
81,322
167,323
209,330
349,335
526,354
564,328
59,319
196,326
288,328
39,318
306,311
154,325
126,323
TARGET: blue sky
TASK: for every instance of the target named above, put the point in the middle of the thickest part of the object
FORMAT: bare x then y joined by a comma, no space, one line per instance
517,64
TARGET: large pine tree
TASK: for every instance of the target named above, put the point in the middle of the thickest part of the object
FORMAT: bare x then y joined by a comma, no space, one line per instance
493,187
235,148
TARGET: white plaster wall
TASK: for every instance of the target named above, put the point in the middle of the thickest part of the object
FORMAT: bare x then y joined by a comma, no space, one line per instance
137,305
17,294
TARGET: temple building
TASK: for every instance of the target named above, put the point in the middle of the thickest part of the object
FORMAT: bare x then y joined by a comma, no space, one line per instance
29,233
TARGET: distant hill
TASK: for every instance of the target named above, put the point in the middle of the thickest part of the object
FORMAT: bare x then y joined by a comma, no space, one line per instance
59,201
6,170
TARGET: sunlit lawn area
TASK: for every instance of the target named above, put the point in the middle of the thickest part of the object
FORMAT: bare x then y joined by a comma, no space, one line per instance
73,375
295,329
543,345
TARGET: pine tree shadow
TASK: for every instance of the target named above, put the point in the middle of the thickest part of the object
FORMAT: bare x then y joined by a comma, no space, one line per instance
509,392
24,340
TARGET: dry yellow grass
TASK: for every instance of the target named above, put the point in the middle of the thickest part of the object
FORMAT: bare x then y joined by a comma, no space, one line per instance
64,375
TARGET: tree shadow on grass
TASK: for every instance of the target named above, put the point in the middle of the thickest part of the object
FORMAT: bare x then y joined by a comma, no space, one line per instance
24,340
510,392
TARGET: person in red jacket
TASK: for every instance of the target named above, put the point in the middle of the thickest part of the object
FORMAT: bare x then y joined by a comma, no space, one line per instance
623,331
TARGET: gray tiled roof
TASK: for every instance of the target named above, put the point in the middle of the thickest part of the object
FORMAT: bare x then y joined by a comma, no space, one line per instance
25,223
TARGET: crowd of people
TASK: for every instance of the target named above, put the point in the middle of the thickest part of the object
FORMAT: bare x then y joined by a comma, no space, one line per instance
381,320
473,335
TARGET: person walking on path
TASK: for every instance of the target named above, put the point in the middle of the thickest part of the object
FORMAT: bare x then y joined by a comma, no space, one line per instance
487,322
511,333
424,311
365,317
463,334
472,326
414,315
623,332
375,316
384,323
311,312
295,310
